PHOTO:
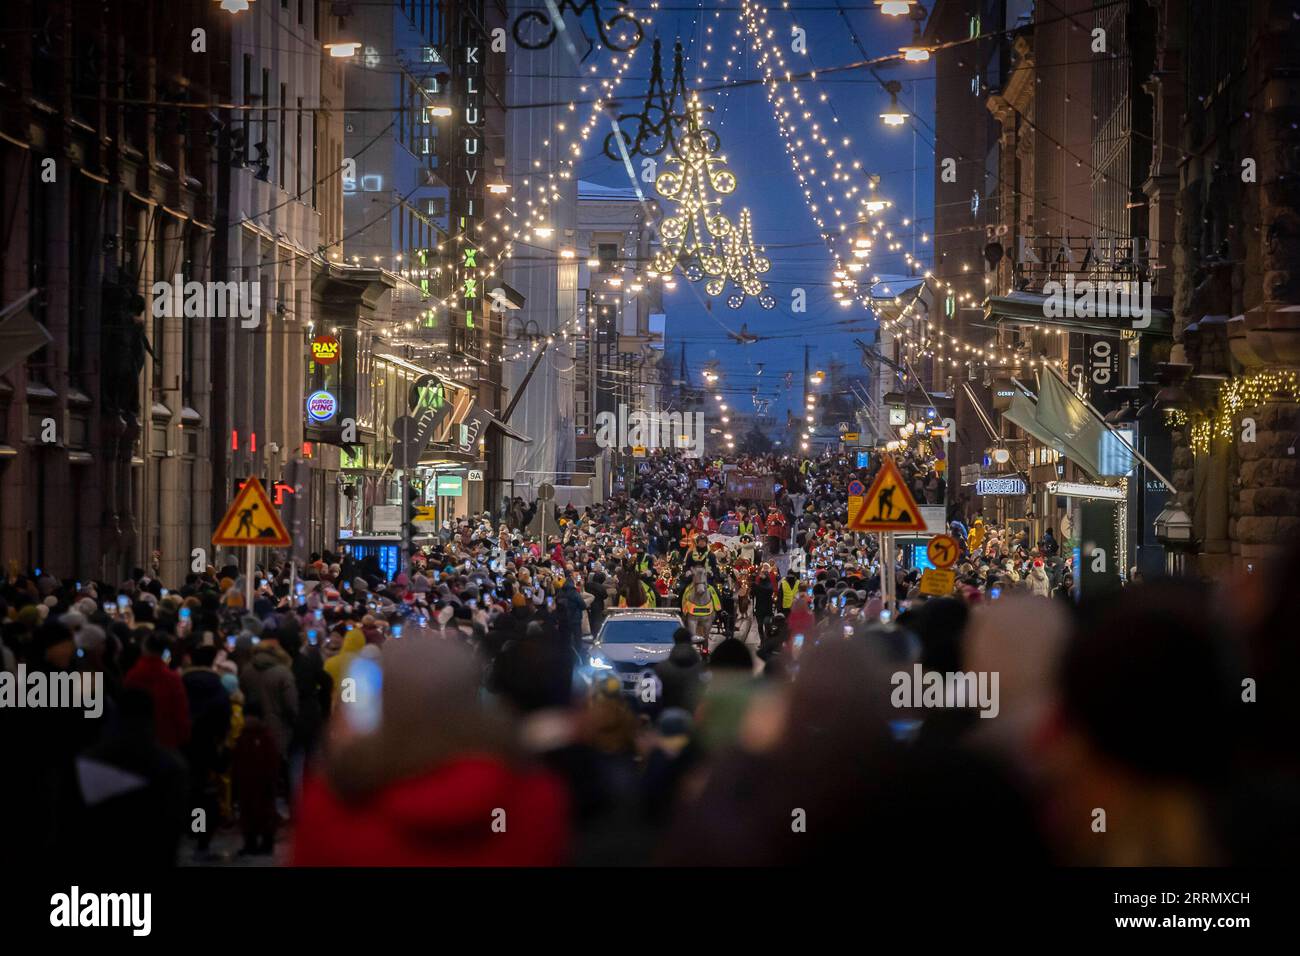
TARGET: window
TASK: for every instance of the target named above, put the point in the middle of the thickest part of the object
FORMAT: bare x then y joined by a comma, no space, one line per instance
297,152
37,253
283,132
161,273
266,116
315,159
191,269
248,100
607,253
84,214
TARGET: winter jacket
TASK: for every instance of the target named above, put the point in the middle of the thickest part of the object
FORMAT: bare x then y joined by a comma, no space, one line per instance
171,707
472,810
267,678
1039,583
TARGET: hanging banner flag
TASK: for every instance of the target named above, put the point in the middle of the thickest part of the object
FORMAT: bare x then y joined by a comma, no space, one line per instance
251,519
888,505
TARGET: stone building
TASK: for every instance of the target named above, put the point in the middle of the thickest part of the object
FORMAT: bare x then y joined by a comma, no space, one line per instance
105,461
1225,188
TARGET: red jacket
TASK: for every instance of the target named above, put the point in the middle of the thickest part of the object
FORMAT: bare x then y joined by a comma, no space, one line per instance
443,817
171,708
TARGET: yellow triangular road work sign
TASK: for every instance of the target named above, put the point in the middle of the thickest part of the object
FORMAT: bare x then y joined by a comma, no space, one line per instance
887,505
251,519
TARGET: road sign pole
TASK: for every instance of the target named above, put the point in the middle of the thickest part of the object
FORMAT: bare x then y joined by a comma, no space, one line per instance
888,572
407,526
884,579
249,569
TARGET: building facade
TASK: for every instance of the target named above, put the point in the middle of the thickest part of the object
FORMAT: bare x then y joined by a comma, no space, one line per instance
107,425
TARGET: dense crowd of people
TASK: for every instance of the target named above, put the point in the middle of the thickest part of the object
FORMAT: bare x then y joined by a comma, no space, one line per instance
446,716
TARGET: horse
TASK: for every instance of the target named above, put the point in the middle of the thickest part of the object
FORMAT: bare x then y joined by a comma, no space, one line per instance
744,607
631,592
698,611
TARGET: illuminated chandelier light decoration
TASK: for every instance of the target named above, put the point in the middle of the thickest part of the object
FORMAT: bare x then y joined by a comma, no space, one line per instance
689,234
621,32
742,263
665,112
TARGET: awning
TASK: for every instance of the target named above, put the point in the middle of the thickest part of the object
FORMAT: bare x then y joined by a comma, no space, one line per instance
509,432
1029,309
1088,441
1023,413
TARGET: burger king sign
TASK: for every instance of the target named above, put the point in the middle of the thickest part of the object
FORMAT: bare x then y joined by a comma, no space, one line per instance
321,406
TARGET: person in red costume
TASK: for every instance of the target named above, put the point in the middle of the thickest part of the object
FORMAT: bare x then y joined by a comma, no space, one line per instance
450,795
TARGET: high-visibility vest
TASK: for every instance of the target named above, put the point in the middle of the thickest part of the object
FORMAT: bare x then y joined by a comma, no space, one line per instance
702,610
788,593
745,527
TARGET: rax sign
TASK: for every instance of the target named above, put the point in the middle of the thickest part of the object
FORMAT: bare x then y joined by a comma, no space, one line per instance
325,349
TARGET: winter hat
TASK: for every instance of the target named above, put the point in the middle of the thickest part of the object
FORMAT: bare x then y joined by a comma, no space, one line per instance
251,624
86,606
230,682
72,620
91,637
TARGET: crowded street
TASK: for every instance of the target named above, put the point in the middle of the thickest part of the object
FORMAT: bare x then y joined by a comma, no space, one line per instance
515,439
350,719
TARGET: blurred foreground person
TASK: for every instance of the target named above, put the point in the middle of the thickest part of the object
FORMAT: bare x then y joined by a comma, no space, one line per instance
1141,746
435,785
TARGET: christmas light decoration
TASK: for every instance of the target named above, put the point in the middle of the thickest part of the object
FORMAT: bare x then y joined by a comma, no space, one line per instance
665,117
687,236
741,263
621,32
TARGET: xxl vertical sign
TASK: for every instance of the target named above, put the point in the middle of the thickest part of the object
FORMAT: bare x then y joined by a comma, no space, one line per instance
467,193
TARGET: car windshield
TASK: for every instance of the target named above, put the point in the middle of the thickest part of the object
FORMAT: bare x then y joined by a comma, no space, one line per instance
639,632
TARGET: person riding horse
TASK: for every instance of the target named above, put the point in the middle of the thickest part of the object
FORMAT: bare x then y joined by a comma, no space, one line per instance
700,604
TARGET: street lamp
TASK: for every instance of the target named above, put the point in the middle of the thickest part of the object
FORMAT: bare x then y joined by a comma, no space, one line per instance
895,115
895,8
234,6
343,49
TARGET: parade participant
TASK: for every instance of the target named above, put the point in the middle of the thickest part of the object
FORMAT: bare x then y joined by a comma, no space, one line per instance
700,603
776,530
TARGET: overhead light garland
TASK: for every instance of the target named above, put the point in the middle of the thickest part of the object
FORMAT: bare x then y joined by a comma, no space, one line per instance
621,32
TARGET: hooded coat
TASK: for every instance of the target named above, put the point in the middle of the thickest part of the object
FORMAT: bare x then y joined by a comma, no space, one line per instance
268,679
448,796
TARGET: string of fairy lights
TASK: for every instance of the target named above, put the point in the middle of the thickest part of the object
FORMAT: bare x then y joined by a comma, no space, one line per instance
850,204
532,223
